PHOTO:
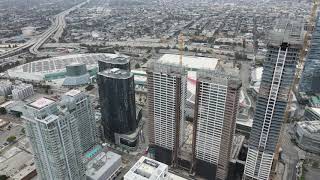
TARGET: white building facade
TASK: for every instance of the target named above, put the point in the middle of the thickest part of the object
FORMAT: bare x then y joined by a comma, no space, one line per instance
166,100
55,140
22,91
80,106
217,99
5,88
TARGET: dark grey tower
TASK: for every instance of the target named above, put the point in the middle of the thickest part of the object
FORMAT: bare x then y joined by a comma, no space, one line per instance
310,80
278,74
117,101
117,62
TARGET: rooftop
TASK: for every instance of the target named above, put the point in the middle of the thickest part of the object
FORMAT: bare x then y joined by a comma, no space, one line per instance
21,86
146,169
102,163
116,59
116,73
73,92
316,110
287,31
58,64
190,62
313,127
41,103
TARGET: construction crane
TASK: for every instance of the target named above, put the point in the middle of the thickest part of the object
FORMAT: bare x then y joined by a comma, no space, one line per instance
303,52
181,47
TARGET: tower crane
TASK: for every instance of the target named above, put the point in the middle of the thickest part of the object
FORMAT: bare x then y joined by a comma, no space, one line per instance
181,47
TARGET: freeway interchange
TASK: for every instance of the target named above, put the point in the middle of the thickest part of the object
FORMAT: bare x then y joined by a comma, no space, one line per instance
55,31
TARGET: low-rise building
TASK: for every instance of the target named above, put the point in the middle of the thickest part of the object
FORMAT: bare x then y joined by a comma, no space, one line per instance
101,164
22,91
5,88
312,114
307,135
147,169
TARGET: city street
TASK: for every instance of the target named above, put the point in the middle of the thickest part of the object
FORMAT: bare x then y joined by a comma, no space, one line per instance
290,154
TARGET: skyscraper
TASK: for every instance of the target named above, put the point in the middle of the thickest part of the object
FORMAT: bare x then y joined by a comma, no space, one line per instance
310,80
114,62
166,103
55,140
79,105
216,107
117,101
279,70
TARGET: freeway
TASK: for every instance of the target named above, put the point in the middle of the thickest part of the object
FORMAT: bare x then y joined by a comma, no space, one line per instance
56,29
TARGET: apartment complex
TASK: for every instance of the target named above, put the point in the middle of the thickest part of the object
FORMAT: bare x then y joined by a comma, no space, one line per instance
79,105
22,91
278,74
166,105
55,140
310,80
5,88
216,107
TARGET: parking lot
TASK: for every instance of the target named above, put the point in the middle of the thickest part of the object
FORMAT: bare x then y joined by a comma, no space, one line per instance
12,129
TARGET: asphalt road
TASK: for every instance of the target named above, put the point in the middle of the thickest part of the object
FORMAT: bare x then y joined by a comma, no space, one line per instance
290,154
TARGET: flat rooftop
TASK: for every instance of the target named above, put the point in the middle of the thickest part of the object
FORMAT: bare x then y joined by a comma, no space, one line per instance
41,103
103,162
287,31
316,110
146,169
313,127
116,59
190,62
73,92
116,73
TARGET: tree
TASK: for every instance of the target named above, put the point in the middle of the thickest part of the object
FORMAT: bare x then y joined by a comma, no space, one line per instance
3,177
3,110
23,131
11,139
137,66
315,164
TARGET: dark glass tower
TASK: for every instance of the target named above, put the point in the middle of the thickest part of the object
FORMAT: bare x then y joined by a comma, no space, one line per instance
310,79
117,62
278,74
117,101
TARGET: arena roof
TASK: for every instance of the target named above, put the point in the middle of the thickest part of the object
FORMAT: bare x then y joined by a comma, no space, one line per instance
38,69
191,62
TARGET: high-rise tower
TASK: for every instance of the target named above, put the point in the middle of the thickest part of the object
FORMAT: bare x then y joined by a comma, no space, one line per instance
310,80
278,75
79,105
114,62
117,101
216,107
166,105
55,140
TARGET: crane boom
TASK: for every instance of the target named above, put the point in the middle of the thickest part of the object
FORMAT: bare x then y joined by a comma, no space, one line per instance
181,47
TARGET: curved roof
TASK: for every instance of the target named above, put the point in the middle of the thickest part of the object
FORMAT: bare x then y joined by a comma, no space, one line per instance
38,69
59,63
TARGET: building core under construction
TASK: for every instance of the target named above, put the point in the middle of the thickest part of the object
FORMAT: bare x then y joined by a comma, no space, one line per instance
203,146
216,107
284,48
166,101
